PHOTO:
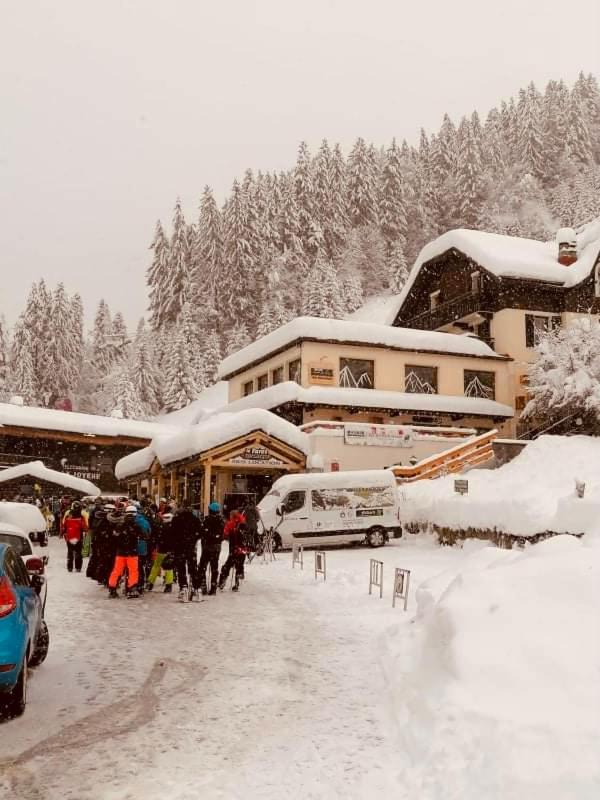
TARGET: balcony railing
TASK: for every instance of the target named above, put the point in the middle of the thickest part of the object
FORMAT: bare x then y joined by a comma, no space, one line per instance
448,312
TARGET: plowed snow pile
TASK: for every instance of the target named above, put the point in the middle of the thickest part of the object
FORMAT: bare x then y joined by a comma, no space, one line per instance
497,687
531,494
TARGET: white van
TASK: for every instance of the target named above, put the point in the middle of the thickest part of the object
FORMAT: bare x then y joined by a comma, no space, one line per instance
332,508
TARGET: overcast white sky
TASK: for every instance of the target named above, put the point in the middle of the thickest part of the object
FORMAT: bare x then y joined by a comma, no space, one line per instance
111,109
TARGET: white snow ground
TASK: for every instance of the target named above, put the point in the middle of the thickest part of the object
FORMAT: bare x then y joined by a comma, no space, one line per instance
298,689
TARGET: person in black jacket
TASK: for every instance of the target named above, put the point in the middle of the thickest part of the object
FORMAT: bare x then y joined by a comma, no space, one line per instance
162,545
125,533
212,538
186,530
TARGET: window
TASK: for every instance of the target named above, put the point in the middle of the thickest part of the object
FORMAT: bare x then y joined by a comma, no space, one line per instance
520,402
19,544
15,570
263,382
295,371
247,388
294,502
420,380
434,300
536,327
277,375
475,282
480,384
357,373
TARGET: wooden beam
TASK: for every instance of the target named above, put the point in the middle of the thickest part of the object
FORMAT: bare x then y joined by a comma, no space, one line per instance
70,436
206,486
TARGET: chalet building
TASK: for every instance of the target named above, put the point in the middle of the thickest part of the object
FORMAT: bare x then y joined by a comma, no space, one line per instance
505,290
86,446
318,369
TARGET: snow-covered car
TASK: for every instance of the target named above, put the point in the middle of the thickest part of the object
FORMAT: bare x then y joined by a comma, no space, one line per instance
29,519
33,556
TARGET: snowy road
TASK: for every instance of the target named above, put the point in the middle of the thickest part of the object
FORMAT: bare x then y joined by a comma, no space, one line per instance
275,692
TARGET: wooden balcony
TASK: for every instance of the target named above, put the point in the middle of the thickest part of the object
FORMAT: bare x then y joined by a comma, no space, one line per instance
451,311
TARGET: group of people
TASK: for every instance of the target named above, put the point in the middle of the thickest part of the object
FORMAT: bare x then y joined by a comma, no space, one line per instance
142,541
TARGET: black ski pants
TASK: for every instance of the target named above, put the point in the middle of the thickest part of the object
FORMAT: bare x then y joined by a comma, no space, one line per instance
209,558
236,561
74,553
186,563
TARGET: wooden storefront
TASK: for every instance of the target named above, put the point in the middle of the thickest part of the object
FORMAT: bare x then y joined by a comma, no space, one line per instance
230,473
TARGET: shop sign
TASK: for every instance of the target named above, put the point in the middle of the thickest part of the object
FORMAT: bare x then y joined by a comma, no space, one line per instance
256,455
321,374
377,435
82,471
461,486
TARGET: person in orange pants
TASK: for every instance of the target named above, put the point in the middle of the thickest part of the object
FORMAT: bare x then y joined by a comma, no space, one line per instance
126,533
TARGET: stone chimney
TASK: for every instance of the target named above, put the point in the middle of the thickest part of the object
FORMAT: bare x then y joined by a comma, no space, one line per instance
567,246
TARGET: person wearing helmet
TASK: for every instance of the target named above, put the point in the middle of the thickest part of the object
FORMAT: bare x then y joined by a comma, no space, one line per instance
235,532
74,525
163,556
125,533
211,538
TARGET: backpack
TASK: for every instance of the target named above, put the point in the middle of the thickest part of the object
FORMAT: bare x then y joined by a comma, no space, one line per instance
73,529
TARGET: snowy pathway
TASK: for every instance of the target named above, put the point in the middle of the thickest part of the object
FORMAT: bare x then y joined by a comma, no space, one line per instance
275,692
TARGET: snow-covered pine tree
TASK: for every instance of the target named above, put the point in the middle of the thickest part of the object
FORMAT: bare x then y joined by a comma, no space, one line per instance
273,311
238,337
145,376
392,208
211,356
60,376
397,267
77,343
119,331
578,143
4,368
126,403
178,268
157,277
323,291
179,388
468,179
236,290
22,375
190,327
362,186
352,293
309,229
102,348
530,143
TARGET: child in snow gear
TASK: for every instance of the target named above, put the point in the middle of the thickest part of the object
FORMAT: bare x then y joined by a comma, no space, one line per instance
235,532
74,526
212,538
126,533
163,558
186,529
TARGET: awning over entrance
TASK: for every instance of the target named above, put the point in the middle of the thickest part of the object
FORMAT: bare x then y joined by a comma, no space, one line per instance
227,455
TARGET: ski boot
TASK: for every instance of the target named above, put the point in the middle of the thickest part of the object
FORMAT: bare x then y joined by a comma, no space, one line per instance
222,582
213,590
236,586
149,587
113,593
133,592
204,590
183,595
193,595
168,588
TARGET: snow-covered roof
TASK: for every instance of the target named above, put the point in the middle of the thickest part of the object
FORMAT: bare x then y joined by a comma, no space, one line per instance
289,391
351,332
210,399
36,469
76,422
212,432
25,516
509,257
375,309
336,480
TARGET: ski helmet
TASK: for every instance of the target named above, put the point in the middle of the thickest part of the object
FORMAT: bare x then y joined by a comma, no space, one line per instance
214,507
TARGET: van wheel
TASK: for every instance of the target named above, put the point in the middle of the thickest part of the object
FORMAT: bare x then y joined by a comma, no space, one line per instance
376,537
14,703
277,543
41,645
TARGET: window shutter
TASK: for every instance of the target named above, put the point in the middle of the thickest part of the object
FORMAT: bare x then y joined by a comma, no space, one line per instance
529,334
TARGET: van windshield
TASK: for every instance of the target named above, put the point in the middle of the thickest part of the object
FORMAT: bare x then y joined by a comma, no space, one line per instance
270,500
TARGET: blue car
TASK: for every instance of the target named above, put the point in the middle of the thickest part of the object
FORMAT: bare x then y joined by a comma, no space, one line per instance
24,638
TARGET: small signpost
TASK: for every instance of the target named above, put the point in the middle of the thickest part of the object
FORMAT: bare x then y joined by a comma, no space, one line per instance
579,488
297,555
320,564
461,486
376,576
401,582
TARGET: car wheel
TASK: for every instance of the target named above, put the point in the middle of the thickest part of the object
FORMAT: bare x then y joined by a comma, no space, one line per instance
41,646
376,537
14,703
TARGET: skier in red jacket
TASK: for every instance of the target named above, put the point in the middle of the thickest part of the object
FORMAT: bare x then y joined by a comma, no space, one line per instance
235,532
74,526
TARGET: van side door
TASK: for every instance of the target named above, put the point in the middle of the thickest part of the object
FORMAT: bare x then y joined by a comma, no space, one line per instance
296,517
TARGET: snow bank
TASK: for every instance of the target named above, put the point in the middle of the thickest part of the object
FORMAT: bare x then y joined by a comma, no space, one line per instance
208,401
75,422
533,493
334,330
36,469
496,686
291,392
509,256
